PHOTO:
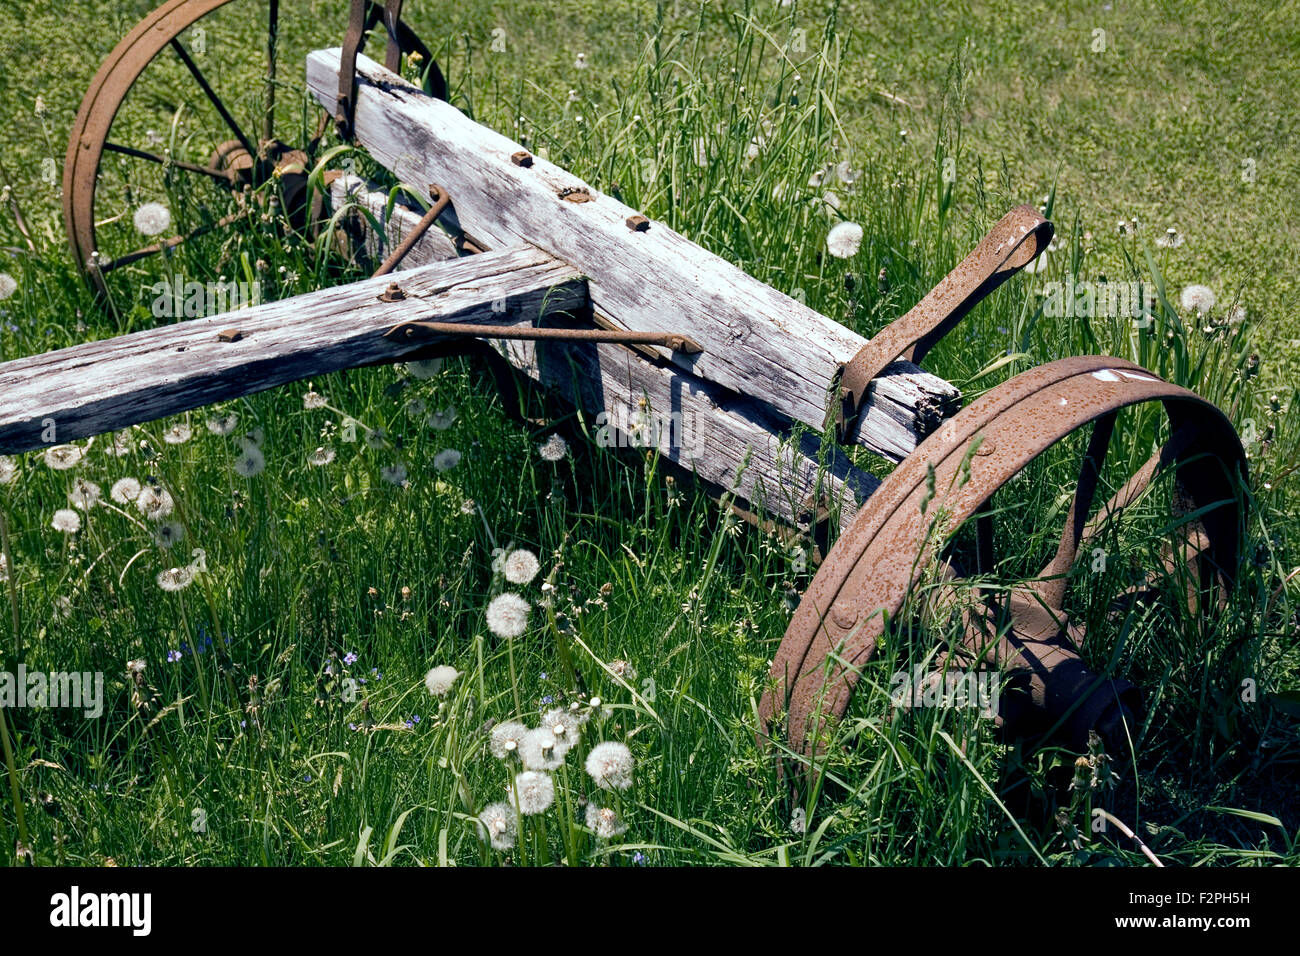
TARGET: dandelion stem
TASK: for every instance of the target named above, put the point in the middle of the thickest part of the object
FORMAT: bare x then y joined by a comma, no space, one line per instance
11,576
13,779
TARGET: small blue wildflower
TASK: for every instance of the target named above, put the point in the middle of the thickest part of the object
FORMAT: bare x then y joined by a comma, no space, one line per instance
173,656
307,777
410,725
350,657
638,858
416,718
243,723
543,675
352,726
361,680
548,699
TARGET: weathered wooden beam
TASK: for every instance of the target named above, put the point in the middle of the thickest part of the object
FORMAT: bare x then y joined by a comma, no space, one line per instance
757,341
101,386
735,444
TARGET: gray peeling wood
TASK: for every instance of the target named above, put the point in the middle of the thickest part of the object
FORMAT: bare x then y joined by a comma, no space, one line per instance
101,386
757,341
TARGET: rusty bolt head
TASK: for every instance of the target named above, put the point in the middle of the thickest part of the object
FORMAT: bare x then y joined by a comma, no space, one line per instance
522,158
575,194
393,293
229,335
638,223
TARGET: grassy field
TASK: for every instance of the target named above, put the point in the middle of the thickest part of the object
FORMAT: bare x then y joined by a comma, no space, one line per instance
269,704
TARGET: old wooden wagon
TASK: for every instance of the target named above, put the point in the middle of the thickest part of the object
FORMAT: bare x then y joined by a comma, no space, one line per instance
524,263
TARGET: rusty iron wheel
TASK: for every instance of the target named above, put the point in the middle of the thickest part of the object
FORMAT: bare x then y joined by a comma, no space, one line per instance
242,155
900,537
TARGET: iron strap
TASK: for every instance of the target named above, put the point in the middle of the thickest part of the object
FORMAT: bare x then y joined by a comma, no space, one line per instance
1014,242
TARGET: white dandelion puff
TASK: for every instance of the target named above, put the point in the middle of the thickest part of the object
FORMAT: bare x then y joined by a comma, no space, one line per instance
1236,315
565,725
520,566
155,503
84,494
604,822
375,439
321,456
416,407
1170,240
507,615
534,791
178,434
63,457
254,436
8,285
169,533
844,240
439,679
497,825
424,369
250,462
175,579
313,400
67,521
505,739
152,218
539,750
120,446
1198,298
8,470
553,449
394,474
125,491
610,765
442,419
446,459
223,424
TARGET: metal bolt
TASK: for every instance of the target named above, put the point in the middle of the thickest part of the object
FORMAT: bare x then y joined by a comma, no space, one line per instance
638,223
575,194
393,293
522,158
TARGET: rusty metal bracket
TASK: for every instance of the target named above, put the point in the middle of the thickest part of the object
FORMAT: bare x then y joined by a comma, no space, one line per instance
441,199
363,17
1013,242
870,572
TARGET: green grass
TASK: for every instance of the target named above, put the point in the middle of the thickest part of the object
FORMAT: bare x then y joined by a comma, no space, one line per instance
254,735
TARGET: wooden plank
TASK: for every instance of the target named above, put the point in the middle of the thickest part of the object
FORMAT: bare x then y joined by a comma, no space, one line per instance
735,444
757,341
100,386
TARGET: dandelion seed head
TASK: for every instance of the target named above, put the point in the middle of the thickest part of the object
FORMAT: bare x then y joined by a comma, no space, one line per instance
120,446
168,534
425,369
63,457
505,739
497,825
152,218
321,457
604,822
564,725
155,503
609,765
539,750
1197,298
520,566
439,679
553,449
250,462
125,491
66,520
394,474
175,579
178,434
85,494
8,470
446,459
534,791
443,419
8,285
223,424
507,615
844,240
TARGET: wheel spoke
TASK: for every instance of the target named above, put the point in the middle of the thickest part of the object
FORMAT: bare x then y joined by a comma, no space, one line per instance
272,41
216,174
212,96
159,247
1052,586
